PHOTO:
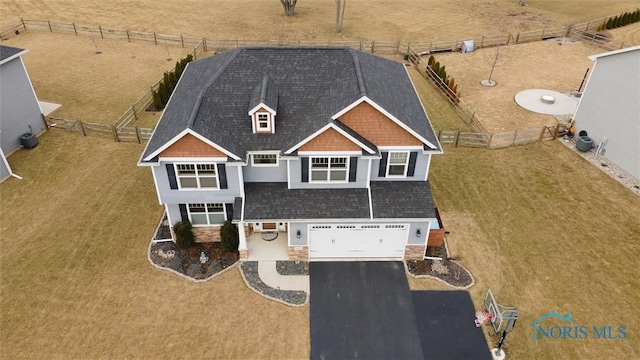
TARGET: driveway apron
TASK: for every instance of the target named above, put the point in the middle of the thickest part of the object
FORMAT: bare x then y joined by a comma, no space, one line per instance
362,310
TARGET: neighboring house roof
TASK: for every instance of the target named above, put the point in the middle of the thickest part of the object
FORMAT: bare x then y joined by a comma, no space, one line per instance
309,86
614,52
8,53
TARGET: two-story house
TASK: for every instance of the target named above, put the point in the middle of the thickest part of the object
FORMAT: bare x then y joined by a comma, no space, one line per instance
328,147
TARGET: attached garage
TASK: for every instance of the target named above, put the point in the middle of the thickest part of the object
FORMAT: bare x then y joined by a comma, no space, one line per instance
357,240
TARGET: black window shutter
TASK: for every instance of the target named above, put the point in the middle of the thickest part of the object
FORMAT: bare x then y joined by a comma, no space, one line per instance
229,209
222,176
353,168
183,212
173,182
412,163
305,169
382,171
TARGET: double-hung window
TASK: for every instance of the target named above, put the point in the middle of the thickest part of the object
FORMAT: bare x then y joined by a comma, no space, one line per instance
398,164
206,214
263,122
329,169
197,176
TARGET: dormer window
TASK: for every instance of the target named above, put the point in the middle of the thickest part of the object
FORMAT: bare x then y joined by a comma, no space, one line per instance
263,122
262,108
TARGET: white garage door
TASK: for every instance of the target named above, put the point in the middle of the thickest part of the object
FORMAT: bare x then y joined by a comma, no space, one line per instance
357,240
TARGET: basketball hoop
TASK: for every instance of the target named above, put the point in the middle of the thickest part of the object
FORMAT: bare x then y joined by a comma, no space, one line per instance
482,317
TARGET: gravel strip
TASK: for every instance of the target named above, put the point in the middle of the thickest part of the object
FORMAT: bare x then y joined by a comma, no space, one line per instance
250,272
605,165
292,268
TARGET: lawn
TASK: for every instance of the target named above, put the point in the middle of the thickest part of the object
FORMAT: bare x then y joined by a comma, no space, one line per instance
98,88
398,20
546,231
537,224
76,283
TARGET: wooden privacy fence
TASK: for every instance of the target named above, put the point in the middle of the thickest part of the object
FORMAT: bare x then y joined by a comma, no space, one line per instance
119,134
497,140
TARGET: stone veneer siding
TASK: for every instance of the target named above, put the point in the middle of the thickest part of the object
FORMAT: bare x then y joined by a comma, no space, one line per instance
298,255
414,252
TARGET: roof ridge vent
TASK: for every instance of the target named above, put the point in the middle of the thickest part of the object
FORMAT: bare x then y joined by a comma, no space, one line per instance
263,88
359,76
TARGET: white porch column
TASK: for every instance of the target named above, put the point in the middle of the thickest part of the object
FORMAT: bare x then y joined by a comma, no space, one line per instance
242,246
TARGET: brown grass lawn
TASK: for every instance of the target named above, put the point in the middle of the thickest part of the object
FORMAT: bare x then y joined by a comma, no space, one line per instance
546,231
537,224
76,283
406,20
536,65
91,87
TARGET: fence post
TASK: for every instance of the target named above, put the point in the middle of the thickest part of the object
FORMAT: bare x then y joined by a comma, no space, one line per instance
138,134
490,139
23,25
50,28
155,39
373,45
182,40
115,133
587,28
544,128
74,28
204,44
517,38
455,138
101,35
482,41
128,37
82,128
133,108
515,135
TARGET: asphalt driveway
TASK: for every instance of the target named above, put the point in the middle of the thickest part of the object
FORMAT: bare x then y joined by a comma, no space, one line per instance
362,310
365,310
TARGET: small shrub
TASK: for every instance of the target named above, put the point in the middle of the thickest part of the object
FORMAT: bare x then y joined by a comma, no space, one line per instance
184,234
609,24
431,60
229,237
157,103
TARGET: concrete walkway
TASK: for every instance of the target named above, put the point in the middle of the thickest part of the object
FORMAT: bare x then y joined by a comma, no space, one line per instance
269,275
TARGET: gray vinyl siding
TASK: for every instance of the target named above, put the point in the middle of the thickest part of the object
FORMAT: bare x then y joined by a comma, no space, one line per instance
610,108
4,171
265,173
296,177
19,107
170,196
303,227
422,162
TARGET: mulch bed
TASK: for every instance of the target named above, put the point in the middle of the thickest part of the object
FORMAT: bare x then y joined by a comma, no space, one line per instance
446,269
451,272
166,254
292,297
187,262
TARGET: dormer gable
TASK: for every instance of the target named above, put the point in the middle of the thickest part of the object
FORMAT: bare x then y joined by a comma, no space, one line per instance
262,107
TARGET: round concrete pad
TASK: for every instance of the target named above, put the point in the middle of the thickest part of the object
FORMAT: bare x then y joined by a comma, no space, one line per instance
532,100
